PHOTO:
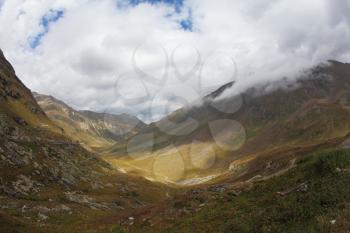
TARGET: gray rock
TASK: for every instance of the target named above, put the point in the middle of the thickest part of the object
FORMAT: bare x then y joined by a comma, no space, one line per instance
85,200
25,185
42,217
62,208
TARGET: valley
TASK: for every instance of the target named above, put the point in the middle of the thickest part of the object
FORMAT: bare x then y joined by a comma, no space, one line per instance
278,163
292,117
174,116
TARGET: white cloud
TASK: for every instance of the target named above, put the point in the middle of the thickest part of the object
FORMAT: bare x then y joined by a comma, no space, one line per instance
83,53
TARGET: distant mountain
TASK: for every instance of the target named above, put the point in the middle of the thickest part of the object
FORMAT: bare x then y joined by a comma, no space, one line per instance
94,130
247,133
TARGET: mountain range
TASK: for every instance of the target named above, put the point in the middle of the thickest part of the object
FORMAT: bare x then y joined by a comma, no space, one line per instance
223,134
263,127
272,159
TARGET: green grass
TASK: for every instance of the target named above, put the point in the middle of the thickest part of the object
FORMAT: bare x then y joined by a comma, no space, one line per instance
262,210
116,229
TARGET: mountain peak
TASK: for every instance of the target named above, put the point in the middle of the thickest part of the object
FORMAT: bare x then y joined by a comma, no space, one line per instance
335,62
220,90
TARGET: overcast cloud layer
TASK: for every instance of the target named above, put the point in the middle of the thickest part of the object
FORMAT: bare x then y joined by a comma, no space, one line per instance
133,56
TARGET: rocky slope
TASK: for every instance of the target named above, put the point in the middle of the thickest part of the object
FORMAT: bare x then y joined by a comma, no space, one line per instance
48,183
94,130
245,134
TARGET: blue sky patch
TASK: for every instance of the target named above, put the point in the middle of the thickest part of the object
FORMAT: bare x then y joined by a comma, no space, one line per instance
177,4
45,21
187,24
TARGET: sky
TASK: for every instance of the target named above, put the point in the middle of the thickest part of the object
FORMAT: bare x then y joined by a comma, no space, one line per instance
149,57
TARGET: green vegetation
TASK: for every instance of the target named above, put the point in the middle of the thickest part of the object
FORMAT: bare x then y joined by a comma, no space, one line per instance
116,229
261,209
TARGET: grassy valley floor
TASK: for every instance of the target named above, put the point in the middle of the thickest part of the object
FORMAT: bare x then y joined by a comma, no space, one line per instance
312,197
